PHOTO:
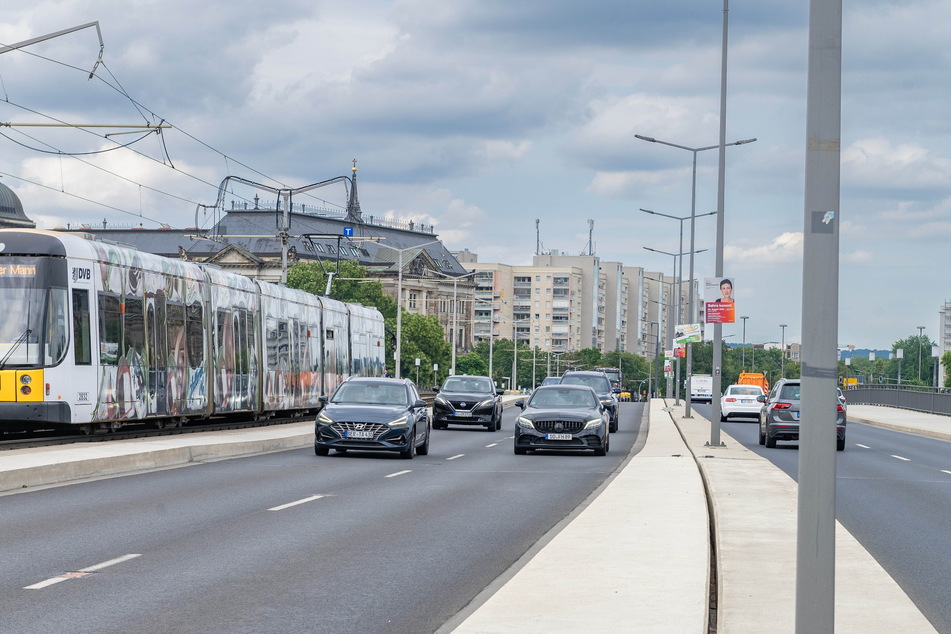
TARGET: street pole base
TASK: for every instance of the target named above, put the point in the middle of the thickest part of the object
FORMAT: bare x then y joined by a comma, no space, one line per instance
721,445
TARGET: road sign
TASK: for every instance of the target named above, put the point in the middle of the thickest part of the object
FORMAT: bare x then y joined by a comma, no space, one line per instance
348,232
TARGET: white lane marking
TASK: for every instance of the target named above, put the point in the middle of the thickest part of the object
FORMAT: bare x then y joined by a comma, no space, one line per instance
901,458
943,471
492,445
398,473
290,504
458,455
80,573
862,446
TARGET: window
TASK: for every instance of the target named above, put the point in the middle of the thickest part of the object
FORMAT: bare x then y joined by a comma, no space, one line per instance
175,316
57,331
195,336
412,300
82,339
133,323
110,329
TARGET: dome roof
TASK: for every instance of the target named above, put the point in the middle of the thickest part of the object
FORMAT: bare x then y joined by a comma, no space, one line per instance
11,210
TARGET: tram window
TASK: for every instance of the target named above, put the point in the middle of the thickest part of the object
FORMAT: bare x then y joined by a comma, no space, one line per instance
82,341
176,335
271,343
133,328
110,329
57,336
194,332
241,341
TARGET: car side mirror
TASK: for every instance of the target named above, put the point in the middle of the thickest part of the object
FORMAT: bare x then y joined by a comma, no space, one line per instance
617,390
323,399
499,391
520,403
436,389
761,398
420,403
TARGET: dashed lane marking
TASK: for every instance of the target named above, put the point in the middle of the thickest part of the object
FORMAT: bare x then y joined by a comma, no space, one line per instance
458,455
901,458
76,574
492,445
862,446
290,504
398,473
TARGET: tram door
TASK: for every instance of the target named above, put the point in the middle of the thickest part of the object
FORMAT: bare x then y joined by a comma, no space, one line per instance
158,355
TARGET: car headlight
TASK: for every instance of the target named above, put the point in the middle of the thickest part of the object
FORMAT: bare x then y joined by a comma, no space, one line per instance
489,402
525,422
594,422
324,419
607,402
402,421
440,400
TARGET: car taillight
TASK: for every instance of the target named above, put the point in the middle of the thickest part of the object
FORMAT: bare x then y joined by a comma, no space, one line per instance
839,408
782,405
730,399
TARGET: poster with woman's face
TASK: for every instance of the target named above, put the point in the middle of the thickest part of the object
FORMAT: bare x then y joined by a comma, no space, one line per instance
718,297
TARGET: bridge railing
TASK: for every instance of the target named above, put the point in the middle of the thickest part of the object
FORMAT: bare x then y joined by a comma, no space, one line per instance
918,398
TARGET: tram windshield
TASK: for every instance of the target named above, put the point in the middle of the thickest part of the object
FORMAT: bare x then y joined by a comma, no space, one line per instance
33,326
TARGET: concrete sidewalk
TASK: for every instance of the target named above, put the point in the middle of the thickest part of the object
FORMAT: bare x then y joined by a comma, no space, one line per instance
635,559
755,514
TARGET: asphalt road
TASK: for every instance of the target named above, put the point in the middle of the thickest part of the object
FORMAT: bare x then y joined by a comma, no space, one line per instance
290,542
893,493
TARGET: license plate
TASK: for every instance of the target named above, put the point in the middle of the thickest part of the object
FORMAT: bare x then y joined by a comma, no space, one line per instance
358,434
746,401
557,436
463,414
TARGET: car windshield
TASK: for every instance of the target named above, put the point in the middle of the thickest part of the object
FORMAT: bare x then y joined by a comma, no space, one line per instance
371,393
562,398
467,384
599,383
745,390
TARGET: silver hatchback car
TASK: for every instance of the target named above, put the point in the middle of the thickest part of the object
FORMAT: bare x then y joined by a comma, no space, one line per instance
779,415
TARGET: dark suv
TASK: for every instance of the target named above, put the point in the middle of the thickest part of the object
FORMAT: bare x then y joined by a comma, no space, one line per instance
468,400
601,384
779,415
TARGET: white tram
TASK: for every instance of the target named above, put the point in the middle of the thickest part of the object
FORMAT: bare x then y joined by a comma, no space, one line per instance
98,336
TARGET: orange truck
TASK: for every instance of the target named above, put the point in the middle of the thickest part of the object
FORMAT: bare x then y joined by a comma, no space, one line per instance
754,378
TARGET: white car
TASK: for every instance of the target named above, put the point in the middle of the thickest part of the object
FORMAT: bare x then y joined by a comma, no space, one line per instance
740,400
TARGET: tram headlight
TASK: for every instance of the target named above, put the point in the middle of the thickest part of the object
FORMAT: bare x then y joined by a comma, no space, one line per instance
25,379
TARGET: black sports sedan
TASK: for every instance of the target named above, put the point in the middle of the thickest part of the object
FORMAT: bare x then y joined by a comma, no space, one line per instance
468,400
568,417
374,414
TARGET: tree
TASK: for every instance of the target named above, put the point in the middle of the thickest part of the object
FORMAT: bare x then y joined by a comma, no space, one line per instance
349,285
423,338
472,363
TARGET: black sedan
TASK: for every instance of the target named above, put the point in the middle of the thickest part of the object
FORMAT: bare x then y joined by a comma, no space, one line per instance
567,417
374,414
468,400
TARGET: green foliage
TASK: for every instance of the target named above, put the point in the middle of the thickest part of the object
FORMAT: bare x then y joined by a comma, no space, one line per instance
423,338
350,284
472,363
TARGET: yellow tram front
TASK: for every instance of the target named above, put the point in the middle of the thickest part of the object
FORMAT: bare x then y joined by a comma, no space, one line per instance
34,334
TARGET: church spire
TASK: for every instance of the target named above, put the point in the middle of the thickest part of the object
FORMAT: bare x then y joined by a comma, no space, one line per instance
353,205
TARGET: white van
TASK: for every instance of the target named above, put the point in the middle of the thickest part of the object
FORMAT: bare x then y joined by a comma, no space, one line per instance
701,388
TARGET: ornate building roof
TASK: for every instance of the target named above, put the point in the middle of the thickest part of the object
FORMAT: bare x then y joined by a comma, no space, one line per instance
11,211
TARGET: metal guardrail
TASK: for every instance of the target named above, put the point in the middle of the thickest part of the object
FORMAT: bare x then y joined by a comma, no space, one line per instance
920,399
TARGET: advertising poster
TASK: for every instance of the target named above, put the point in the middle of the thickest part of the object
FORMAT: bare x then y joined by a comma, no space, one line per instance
687,333
718,300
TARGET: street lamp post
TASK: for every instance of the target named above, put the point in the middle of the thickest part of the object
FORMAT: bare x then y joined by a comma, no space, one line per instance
782,359
920,331
693,216
455,313
399,299
675,315
743,350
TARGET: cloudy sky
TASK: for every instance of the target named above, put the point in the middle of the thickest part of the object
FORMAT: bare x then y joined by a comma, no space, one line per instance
480,116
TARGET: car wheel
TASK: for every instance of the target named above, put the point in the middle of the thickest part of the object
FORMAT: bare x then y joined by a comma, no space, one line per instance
321,451
440,425
840,444
498,421
605,447
762,436
520,451
407,453
423,449
612,427
723,418
770,442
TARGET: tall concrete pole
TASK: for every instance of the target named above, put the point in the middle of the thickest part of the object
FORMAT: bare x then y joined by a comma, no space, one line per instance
815,554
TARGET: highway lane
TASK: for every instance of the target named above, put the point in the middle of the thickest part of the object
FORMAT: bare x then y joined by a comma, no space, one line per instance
289,541
893,493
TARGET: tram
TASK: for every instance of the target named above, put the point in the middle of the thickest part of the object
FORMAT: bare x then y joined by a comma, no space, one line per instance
96,336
